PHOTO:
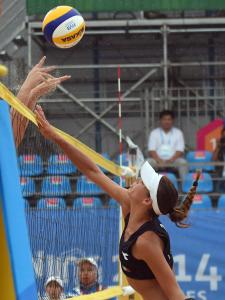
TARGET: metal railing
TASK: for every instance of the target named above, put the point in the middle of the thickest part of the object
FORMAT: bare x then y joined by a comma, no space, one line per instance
12,20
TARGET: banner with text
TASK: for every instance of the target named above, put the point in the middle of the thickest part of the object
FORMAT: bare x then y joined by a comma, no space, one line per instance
199,257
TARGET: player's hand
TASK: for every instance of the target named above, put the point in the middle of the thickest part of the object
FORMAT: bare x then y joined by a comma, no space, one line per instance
48,84
37,75
44,126
129,181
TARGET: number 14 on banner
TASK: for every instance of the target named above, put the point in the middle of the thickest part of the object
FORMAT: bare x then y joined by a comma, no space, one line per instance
213,277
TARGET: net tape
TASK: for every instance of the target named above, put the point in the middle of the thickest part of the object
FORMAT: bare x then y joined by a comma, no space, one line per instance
107,294
110,166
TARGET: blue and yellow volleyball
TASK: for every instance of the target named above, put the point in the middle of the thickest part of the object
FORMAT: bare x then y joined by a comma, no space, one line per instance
63,26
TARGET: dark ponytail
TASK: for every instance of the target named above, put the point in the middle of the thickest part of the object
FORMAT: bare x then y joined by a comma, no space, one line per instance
179,213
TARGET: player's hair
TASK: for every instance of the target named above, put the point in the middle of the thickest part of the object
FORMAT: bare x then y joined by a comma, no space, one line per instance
167,197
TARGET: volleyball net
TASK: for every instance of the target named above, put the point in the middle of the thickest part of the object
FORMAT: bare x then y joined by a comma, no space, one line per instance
68,217
60,237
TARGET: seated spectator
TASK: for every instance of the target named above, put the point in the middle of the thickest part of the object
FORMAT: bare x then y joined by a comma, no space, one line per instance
54,289
166,144
88,277
219,155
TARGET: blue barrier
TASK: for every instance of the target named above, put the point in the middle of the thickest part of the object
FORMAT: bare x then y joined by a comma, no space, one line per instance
199,257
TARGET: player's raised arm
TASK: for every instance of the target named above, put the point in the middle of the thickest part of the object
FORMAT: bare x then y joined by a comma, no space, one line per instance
84,163
37,84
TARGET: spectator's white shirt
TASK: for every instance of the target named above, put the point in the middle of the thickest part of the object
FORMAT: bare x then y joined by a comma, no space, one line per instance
166,143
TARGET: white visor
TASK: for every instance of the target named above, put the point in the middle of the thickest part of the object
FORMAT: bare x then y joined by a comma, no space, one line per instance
151,180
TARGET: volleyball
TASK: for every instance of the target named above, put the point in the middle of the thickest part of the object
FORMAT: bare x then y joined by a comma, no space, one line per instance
63,26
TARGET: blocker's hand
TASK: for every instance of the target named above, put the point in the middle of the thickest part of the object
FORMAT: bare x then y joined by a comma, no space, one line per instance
37,75
44,126
48,85
39,83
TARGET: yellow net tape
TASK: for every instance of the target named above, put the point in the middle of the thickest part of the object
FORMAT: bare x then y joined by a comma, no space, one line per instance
26,112
102,295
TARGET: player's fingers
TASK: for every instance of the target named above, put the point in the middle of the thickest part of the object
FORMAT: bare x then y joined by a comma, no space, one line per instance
45,77
40,112
53,82
41,62
48,69
63,78
38,118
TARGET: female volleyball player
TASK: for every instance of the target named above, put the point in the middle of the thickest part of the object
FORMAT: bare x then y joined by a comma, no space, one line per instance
144,247
38,83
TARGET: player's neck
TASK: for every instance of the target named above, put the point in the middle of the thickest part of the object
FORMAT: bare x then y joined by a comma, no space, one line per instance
139,216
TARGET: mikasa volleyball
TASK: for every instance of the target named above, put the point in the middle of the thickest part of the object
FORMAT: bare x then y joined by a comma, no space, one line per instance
63,26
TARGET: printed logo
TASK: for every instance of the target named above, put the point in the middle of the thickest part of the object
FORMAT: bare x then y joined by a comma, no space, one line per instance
125,269
125,255
162,226
73,36
70,25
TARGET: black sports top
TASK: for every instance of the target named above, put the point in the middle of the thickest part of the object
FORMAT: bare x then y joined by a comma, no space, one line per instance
137,268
